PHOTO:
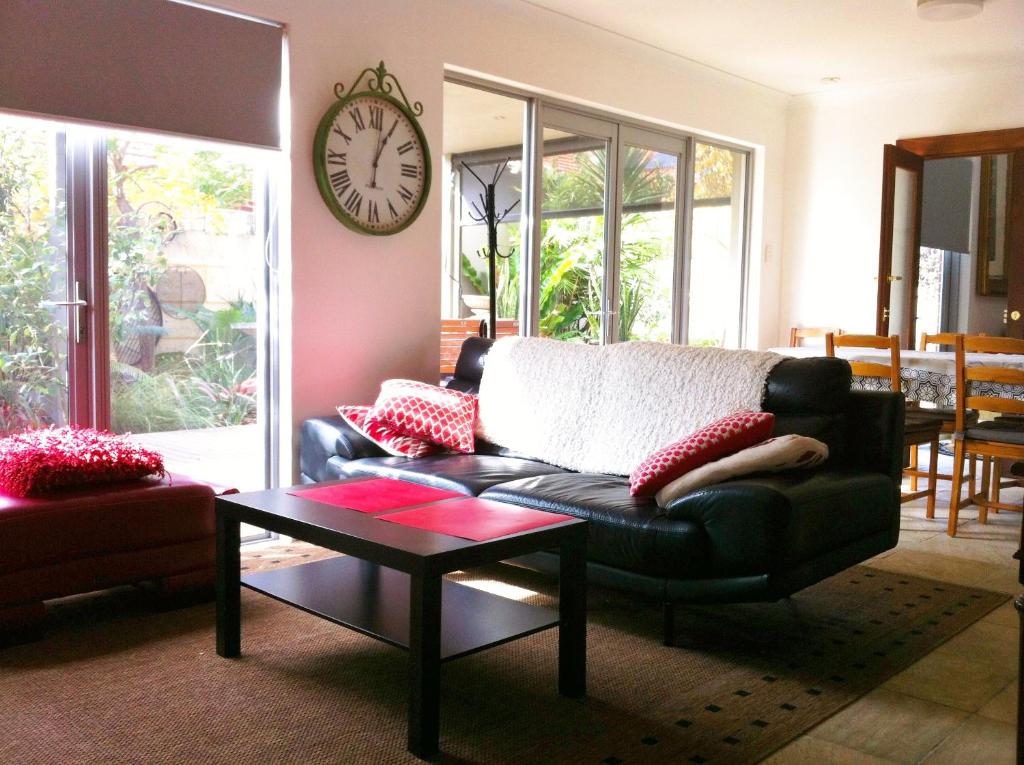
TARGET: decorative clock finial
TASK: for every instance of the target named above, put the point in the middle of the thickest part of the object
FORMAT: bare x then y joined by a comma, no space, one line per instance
380,79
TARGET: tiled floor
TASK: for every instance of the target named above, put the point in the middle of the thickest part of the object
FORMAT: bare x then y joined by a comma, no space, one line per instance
959,703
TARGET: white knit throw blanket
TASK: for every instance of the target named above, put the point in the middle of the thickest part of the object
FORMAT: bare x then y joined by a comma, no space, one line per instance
603,409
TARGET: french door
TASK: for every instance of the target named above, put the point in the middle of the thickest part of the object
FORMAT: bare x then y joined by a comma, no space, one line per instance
133,293
611,244
900,241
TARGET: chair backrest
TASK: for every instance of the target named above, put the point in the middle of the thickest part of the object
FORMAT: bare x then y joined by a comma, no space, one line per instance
966,376
870,368
455,331
939,338
796,334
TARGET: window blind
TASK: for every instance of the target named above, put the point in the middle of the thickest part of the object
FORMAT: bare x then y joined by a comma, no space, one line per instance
149,64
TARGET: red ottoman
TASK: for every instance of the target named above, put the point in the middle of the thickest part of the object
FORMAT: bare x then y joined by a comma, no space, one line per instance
102,536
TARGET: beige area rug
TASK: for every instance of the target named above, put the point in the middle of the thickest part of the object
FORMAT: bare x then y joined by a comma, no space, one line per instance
116,682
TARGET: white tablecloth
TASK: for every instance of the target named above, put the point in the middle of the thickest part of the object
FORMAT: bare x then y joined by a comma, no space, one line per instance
926,375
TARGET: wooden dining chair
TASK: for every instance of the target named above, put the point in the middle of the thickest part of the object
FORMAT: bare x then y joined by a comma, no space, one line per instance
916,431
997,439
796,334
946,416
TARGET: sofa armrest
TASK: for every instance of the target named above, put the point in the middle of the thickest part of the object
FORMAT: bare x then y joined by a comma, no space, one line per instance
741,519
324,437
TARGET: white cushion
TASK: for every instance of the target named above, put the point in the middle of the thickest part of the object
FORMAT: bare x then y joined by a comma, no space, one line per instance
771,456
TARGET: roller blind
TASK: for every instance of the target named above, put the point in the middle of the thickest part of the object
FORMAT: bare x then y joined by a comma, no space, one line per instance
150,64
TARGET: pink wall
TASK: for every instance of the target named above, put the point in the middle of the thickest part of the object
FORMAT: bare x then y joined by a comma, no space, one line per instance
366,308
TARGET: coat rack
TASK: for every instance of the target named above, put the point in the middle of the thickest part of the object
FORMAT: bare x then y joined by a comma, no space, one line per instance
489,215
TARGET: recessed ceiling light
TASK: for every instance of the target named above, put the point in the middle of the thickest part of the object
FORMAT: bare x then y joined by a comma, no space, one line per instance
948,10
832,80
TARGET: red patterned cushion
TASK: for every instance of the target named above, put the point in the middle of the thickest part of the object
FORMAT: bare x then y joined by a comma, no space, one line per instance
39,461
385,436
439,415
726,436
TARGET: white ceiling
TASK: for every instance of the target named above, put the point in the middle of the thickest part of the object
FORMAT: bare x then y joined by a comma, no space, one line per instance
790,45
477,119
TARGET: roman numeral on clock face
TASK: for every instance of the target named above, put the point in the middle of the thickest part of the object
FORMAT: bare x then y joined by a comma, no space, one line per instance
376,118
406,147
354,202
409,171
373,215
348,139
404,193
357,118
392,210
340,182
336,158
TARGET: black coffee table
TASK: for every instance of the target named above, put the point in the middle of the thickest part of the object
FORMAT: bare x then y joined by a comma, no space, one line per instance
390,587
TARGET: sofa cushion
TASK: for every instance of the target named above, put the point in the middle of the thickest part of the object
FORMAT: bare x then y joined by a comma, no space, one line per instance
810,397
625,531
466,473
430,412
360,419
720,438
40,462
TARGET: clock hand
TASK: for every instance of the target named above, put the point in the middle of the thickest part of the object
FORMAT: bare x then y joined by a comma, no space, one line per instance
384,143
373,177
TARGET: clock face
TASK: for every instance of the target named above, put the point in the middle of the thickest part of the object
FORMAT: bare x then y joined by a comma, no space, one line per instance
372,165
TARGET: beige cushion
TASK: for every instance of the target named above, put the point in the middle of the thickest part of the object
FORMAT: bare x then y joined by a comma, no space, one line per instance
771,456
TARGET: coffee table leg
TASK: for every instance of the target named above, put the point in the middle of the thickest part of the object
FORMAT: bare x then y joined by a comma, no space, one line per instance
572,611
424,665
229,606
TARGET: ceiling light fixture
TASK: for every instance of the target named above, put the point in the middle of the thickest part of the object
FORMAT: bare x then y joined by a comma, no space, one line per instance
948,10
830,80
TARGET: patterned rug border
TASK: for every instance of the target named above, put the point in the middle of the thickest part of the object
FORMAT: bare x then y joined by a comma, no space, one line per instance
726,702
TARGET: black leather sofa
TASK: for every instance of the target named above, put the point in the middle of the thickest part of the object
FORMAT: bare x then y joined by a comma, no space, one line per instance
757,538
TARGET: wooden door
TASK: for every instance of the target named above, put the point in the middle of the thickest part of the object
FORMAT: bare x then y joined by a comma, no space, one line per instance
899,243
1015,248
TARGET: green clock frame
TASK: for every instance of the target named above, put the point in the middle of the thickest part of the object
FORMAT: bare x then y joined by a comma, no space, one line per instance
379,84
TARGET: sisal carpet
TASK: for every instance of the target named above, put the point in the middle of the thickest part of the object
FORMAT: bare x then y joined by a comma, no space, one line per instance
116,682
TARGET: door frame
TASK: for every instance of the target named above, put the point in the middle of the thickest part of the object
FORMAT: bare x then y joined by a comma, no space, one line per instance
980,143
681,147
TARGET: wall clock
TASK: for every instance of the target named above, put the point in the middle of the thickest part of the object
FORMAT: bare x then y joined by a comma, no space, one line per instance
371,159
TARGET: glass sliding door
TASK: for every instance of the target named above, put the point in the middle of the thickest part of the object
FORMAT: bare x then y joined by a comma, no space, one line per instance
648,252
185,285
38,328
577,174
717,248
629,231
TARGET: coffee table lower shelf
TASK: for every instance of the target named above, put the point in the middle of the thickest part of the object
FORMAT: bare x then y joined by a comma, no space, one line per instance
374,600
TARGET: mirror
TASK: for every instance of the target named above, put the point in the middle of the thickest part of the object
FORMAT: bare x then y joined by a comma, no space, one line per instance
963,266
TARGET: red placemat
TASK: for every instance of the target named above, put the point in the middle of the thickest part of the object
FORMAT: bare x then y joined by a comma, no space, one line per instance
375,495
476,519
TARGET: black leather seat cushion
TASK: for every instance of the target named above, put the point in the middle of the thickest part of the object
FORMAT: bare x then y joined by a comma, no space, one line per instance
626,532
921,426
945,416
466,473
1004,430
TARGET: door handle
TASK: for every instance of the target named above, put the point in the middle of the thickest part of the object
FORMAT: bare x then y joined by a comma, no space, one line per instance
890,278
885,314
78,303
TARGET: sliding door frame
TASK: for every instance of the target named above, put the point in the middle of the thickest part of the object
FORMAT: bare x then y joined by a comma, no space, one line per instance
552,112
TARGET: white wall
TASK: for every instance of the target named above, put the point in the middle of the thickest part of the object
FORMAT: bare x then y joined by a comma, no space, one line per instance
833,182
366,308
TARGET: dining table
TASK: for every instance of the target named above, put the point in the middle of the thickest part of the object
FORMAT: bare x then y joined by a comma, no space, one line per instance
927,376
